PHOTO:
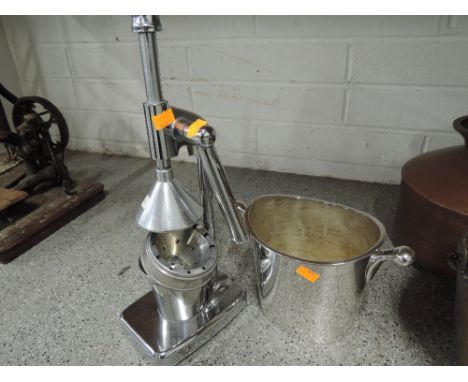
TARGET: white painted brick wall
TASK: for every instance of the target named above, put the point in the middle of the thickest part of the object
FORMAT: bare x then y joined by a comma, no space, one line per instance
347,26
283,61
405,107
410,63
269,102
344,96
8,75
26,30
338,144
59,91
123,62
41,62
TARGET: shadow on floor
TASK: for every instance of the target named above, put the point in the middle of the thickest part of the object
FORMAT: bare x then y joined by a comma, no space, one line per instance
427,310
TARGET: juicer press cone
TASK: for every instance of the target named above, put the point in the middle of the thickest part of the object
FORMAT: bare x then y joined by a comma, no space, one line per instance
168,206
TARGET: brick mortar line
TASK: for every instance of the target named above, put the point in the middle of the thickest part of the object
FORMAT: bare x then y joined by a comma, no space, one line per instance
452,22
313,159
255,83
70,70
439,24
256,26
396,130
347,76
114,29
189,72
332,85
256,38
259,154
14,59
107,140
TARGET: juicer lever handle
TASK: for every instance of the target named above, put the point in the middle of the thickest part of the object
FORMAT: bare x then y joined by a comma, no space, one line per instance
202,136
221,189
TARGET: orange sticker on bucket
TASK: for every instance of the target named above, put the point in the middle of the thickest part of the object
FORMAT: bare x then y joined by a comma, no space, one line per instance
307,273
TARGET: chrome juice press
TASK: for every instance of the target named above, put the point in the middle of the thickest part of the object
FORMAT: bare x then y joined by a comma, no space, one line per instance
191,298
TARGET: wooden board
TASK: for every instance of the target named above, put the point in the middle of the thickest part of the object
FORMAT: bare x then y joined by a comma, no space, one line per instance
41,215
11,177
6,163
10,197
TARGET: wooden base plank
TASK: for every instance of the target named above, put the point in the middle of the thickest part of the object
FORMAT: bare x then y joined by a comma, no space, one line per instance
10,197
41,215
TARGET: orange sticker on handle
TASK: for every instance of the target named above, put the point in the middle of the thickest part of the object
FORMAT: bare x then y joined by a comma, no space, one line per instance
163,120
307,273
195,127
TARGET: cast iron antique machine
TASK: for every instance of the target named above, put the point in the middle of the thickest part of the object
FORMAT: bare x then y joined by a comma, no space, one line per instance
31,141
37,194
191,298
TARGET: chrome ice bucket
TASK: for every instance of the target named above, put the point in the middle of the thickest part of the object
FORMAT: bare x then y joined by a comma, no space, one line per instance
313,260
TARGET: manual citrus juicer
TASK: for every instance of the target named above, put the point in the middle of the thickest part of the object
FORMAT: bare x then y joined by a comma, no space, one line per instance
191,298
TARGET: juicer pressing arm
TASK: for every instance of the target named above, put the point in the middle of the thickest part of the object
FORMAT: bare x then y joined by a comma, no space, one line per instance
202,136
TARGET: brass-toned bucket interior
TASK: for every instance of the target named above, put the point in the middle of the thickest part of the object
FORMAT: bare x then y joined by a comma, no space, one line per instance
312,230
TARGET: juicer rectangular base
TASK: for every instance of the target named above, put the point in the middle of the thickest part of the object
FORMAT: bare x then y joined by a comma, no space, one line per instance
172,341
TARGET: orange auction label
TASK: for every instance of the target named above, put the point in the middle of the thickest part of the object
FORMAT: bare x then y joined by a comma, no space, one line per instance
163,120
307,273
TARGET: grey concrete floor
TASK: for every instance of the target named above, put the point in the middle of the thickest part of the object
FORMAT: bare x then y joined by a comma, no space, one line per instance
61,300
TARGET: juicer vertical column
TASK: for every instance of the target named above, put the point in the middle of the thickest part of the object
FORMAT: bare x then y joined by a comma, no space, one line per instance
162,146
146,26
168,205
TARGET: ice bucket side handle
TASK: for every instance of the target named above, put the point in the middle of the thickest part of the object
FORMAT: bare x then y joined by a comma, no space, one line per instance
401,255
